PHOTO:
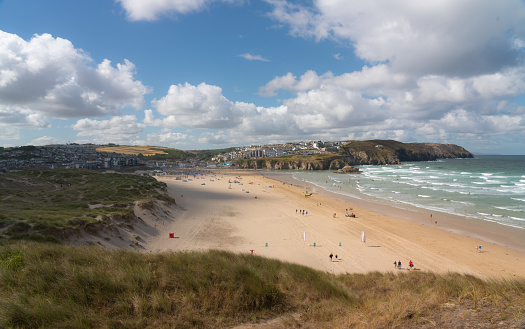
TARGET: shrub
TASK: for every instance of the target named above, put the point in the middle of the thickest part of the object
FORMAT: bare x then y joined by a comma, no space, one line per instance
11,259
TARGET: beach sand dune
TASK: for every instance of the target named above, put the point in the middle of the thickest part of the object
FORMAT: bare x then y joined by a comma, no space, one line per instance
245,212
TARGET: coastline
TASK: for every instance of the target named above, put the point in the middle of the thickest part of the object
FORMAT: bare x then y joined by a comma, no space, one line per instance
261,215
486,231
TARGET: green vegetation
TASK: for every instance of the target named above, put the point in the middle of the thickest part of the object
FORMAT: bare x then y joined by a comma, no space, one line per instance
39,204
56,286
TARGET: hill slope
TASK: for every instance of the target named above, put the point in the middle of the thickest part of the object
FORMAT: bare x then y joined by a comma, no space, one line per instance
381,152
374,152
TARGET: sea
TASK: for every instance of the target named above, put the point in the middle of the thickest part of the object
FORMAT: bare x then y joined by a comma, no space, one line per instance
486,187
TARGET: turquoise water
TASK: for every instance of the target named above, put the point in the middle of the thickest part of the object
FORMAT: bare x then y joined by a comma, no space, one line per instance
490,188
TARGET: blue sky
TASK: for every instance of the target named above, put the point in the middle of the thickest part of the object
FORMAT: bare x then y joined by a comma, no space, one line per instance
199,74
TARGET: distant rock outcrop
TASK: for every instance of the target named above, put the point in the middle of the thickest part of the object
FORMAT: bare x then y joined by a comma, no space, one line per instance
348,170
356,153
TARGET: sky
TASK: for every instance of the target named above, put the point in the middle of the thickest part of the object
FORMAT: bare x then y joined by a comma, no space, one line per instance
208,74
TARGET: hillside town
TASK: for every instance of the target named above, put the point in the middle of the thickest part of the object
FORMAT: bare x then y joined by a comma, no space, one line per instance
63,157
87,156
276,150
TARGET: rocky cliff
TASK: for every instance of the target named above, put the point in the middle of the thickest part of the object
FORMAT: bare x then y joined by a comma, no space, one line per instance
330,162
381,152
374,152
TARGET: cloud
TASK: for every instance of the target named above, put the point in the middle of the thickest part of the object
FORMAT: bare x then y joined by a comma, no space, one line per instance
48,77
45,140
289,82
167,137
331,107
450,37
251,57
374,102
201,106
461,121
151,10
22,118
115,130
9,133
219,138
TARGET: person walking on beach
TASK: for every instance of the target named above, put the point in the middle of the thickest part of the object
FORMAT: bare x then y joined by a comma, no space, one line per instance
411,265
395,264
399,264
331,255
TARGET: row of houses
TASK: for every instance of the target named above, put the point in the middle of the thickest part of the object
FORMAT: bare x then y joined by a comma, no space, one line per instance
276,150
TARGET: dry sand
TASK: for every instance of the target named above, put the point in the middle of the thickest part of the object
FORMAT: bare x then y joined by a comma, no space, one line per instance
245,212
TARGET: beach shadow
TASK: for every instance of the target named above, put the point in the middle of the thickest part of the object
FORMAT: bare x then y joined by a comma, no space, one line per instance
374,246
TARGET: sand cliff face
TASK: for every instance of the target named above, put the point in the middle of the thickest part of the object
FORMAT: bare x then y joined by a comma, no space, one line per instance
377,152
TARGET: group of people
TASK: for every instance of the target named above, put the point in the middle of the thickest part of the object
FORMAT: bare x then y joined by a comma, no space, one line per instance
332,256
302,212
349,215
398,265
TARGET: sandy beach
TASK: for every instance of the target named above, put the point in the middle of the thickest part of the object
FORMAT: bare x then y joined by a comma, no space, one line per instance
245,212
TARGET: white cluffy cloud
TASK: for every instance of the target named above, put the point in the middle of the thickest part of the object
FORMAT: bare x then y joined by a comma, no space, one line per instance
201,106
372,103
48,77
115,130
420,37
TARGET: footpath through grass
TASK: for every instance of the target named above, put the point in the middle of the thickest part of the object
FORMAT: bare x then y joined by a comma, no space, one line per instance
55,286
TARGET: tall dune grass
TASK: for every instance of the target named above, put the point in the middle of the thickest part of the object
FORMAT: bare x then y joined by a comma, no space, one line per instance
38,204
55,286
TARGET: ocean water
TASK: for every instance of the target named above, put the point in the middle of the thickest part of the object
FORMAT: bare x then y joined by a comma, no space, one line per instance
490,188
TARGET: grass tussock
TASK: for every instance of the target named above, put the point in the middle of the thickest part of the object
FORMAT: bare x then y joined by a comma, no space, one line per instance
54,286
